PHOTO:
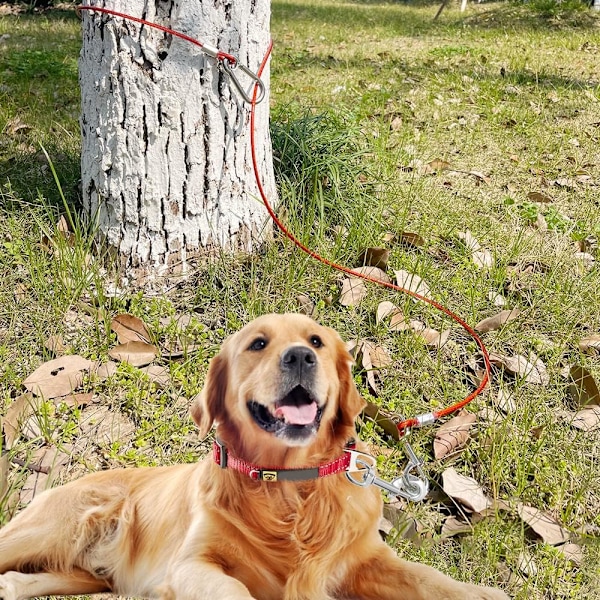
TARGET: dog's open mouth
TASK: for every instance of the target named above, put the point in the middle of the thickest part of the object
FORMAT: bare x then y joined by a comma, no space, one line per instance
295,415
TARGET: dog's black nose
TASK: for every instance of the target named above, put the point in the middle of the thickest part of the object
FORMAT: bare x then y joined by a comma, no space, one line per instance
298,359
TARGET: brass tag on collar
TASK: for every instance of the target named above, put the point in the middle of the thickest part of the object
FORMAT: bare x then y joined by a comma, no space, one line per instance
269,475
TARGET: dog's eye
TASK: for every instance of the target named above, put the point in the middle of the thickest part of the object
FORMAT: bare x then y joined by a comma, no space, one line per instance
258,344
316,341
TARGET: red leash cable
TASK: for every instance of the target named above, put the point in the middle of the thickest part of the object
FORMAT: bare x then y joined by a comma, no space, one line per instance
407,424
420,420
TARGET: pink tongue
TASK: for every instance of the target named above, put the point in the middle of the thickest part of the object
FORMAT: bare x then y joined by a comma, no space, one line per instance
297,415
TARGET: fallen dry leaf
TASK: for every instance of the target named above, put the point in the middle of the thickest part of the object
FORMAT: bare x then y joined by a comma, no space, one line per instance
18,412
158,375
410,239
526,564
371,372
386,309
55,344
106,370
375,257
431,337
77,400
452,435
518,365
469,240
583,388
382,420
58,377
436,165
34,485
483,259
465,490
549,530
496,321
105,427
587,419
353,291
590,344
412,282
373,273
505,401
306,306
539,197
138,354
378,355
453,526
130,329
572,552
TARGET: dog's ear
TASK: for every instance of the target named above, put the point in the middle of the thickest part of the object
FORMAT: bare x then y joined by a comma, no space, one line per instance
209,404
350,401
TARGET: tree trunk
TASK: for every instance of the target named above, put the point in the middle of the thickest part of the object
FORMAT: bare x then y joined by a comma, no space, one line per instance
166,159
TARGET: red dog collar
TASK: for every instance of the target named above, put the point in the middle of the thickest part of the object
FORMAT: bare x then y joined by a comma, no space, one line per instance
227,461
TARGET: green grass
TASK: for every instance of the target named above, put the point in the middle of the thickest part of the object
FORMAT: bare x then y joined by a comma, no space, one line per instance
364,95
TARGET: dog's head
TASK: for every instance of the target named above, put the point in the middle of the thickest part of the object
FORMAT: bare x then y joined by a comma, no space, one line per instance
283,379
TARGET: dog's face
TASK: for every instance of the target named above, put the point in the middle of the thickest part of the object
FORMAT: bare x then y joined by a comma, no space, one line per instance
286,377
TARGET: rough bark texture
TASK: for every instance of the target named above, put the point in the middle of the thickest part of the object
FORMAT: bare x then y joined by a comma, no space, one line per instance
166,163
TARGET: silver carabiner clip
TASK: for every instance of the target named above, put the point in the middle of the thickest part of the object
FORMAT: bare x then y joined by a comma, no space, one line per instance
229,69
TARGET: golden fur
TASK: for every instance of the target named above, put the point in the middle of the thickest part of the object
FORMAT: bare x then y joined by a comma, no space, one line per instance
201,532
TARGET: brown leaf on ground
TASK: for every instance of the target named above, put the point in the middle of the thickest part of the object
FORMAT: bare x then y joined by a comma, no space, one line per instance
370,371
539,197
378,355
106,370
374,273
453,526
521,367
498,320
4,470
34,485
55,344
105,427
452,435
469,240
549,530
587,419
158,374
412,282
353,291
583,388
77,400
374,257
465,490
590,344
138,354
386,309
505,401
306,306
382,419
430,336
483,259
50,460
18,412
58,377
130,329
572,552
410,239
437,165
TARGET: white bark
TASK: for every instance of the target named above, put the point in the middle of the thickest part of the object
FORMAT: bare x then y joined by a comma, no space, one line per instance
166,163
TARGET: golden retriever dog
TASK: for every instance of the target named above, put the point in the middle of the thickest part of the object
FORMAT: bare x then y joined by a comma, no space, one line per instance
271,516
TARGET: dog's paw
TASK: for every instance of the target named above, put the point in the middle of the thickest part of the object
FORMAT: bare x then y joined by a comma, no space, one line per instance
8,590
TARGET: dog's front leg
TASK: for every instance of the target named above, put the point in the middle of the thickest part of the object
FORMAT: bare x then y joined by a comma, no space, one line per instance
383,576
196,580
